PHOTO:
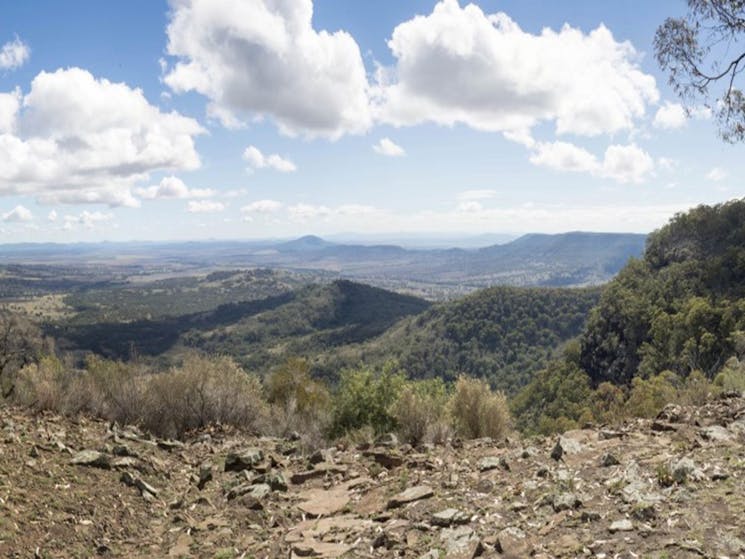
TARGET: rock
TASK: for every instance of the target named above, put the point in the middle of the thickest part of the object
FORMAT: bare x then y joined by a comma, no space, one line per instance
260,490
388,460
91,458
324,550
717,434
246,460
672,413
624,525
317,457
566,545
275,480
608,460
145,488
513,542
662,427
558,451
685,469
488,463
607,434
459,541
565,501
410,495
324,503
449,517
170,445
123,462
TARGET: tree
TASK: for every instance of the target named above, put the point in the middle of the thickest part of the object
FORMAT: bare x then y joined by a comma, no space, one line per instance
703,50
20,343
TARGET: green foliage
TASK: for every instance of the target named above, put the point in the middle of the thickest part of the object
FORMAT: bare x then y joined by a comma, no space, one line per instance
477,411
732,376
558,398
501,334
649,396
365,398
678,308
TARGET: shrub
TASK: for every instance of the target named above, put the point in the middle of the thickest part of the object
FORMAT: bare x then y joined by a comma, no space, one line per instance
649,396
117,390
364,398
203,391
731,377
299,403
420,412
44,386
696,389
477,411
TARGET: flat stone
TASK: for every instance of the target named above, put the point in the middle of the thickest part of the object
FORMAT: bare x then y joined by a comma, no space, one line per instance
449,517
565,501
319,502
717,434
91,458
410,495
624,525
324,550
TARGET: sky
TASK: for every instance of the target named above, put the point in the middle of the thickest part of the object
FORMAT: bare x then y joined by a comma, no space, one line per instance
246,119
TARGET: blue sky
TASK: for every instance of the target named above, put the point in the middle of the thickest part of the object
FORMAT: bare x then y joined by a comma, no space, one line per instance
238,119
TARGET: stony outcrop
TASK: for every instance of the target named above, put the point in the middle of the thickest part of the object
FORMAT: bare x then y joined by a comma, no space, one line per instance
669,487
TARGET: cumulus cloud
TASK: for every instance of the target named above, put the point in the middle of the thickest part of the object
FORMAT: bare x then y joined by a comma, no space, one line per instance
78,139
670,116
386,146
717,174
622,163
460,65
204,206
86,219
173,187
304,212
18,214
470,206
52,216
14,54
264,58
262,207
258,160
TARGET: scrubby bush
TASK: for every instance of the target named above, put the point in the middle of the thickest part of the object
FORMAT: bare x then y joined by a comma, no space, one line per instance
117,389
649,396
365,398
203,391
476,411
420,412
49,385
731,377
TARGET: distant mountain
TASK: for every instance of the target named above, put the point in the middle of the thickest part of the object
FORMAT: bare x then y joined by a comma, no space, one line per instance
569,259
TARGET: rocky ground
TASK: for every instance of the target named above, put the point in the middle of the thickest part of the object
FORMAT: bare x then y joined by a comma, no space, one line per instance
670,487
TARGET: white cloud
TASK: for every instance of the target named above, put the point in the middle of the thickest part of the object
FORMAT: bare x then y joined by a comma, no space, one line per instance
479,194
624,164
670,116
667,163
460,65
470,206
386,146
262,207
258,160
18,214
14,54
173,187
52,216
564,156
86,219
204,206
305,212
264,58
717,174
79,139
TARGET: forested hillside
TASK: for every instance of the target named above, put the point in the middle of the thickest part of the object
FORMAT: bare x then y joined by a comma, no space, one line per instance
669,327
502,334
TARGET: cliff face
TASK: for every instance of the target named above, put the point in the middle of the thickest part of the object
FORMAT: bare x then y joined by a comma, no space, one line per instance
670,487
